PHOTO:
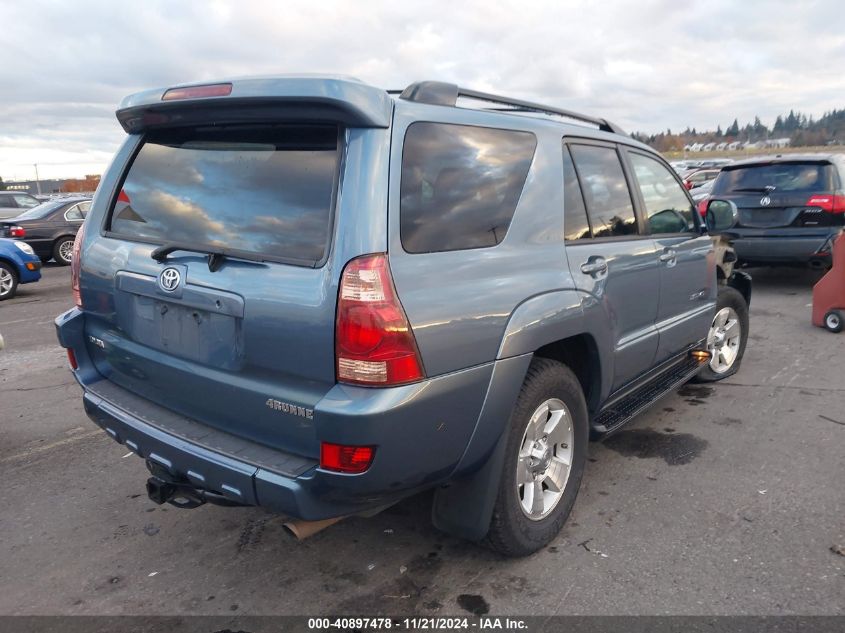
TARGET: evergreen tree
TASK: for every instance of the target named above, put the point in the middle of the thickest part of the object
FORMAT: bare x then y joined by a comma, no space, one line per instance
733,129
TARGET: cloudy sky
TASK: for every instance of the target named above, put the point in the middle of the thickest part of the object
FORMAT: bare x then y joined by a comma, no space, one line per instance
646,65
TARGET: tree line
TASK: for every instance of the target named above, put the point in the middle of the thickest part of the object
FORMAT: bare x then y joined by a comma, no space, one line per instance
800,129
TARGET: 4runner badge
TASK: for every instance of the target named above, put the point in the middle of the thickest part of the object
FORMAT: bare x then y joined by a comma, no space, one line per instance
286,407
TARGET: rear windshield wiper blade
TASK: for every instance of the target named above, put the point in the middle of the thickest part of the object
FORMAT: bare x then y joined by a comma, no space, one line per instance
766,189
215,255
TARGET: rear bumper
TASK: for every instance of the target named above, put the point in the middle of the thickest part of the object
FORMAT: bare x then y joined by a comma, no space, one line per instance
421,432
778,246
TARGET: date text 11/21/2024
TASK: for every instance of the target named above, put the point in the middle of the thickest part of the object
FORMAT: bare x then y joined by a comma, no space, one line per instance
417,623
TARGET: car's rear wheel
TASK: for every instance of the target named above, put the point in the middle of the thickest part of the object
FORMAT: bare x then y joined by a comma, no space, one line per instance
727,336
63,251
8,281
834,321
544,460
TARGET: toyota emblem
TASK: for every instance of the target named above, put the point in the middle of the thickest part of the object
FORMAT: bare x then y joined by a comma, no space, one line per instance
169,279
765,201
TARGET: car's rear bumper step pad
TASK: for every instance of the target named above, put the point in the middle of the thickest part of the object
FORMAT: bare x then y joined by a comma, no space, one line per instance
621,411
200,435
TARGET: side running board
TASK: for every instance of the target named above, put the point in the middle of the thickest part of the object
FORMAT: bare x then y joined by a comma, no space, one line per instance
616,414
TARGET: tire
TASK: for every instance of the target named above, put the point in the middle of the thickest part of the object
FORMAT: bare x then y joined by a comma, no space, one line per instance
513,529
834,321
727,351
8,281
63,251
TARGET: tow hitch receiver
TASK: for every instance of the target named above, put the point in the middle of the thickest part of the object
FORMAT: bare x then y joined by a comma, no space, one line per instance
159,491
183,495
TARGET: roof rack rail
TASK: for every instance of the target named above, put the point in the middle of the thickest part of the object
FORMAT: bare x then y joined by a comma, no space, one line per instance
446,94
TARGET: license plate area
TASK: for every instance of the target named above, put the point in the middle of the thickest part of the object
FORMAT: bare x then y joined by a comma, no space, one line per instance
203,325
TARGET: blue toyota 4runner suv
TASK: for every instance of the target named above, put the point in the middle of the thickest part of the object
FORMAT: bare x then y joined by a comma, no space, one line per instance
319,297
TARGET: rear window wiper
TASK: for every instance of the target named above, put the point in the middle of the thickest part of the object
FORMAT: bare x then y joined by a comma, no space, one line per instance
216,256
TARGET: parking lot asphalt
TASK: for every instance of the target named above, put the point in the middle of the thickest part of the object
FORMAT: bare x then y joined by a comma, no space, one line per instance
722,499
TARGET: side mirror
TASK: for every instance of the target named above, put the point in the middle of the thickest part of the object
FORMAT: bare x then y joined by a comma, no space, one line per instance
721,215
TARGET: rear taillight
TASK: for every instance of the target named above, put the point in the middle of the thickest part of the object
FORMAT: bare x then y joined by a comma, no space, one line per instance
17,231
702,206
832,203
71,359
374,344
346,459
75,266
198,92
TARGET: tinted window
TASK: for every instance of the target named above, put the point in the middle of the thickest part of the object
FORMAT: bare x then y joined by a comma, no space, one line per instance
667,206
7,201
264,190
575,224
460,185
798,176
605,190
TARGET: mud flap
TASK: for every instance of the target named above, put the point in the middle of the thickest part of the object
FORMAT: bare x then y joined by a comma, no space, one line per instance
464,508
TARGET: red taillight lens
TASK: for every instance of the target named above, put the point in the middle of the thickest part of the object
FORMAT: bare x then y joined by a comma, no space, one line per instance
374,344
832,203
75,265
346,459
702,206
71,359
17,231
198,92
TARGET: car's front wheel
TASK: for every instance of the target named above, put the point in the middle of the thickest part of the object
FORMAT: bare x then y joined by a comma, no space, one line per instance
544,461
63,251
8,281
727,336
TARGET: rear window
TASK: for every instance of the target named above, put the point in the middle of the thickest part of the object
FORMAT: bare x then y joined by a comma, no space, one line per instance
781,177
265,191
42,210
460,185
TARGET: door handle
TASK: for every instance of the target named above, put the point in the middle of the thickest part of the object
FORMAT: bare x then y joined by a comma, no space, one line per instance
594,266
669,256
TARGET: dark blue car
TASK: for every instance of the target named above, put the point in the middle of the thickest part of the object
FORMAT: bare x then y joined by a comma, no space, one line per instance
18,265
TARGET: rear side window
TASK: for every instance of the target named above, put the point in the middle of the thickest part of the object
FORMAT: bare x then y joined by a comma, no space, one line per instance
26,201
460,185
575,224
260,190
77,212
807,177
605,190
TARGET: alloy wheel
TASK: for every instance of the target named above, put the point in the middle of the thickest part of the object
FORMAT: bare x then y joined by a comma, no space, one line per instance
545,459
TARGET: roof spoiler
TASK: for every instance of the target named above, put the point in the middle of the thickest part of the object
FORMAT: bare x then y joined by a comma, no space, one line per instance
313,99
446,94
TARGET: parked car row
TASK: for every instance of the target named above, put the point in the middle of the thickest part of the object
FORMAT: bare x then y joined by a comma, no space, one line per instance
34,233
49,228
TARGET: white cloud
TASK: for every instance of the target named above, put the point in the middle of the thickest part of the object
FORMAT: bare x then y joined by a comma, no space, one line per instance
645,65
